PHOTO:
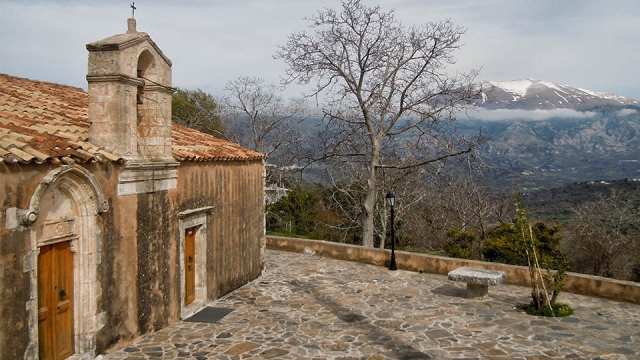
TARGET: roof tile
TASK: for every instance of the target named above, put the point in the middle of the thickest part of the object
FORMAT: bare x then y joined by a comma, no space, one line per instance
40,156
21,154
45,122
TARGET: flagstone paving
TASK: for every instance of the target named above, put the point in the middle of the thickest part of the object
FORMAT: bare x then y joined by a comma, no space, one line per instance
308,307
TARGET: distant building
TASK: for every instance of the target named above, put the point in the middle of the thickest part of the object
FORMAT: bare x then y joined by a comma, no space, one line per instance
274,192
114,222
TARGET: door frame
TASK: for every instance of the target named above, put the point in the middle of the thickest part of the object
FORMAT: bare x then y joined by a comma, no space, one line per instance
195,218
52,273
85,197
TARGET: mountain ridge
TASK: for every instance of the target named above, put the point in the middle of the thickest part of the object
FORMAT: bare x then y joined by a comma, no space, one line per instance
529,147
598,138
531,94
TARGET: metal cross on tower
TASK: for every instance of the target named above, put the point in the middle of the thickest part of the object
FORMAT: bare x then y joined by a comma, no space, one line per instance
133,9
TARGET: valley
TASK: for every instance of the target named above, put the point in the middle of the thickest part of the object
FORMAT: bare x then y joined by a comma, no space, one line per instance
534,154
538,134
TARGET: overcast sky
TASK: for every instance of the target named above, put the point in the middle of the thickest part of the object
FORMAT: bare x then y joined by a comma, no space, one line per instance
591,44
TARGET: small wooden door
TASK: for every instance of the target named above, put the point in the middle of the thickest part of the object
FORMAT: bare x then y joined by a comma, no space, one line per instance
55,301
189,265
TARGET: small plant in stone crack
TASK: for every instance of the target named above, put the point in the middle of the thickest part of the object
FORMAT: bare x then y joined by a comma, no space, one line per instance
546,269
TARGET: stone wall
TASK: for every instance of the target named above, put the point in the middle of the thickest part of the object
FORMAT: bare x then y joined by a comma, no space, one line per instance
235,192
136,257
130,97
15,190
516,275
232,195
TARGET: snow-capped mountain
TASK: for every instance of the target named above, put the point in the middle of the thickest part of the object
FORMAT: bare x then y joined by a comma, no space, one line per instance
530,94
535,143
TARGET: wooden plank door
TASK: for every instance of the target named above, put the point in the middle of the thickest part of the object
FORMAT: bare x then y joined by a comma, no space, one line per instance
55,301
189,265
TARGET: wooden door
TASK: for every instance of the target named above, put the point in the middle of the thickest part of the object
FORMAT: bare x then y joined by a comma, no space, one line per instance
55,301
189,265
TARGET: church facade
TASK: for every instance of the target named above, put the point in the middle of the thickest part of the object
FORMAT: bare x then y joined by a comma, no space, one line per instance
114,222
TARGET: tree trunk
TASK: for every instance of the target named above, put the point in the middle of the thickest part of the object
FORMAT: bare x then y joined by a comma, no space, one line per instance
383,225
539,298
367,216
370,199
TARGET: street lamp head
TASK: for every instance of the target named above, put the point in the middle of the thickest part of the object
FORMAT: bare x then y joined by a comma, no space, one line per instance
391,199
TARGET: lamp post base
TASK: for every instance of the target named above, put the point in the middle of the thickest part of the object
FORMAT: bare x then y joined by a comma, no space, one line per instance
392,265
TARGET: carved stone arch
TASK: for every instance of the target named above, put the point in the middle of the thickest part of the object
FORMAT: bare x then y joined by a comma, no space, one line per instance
146,66
146,70
153,108
30,215
65,206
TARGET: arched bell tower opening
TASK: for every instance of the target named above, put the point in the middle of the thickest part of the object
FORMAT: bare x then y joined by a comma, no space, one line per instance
145,62
130,109
153,126
146,66
144,70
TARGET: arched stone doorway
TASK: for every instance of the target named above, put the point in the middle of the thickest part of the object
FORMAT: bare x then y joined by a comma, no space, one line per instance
65,253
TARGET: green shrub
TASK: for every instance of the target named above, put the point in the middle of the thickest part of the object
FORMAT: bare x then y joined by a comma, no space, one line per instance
505,244
459,244
534,246
559,310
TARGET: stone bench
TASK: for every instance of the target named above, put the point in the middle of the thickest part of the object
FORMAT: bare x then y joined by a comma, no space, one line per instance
478,280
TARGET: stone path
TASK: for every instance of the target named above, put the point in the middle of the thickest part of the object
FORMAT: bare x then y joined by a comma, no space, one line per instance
308,307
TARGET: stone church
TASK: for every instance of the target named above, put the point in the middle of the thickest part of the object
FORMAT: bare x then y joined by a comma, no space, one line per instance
114,222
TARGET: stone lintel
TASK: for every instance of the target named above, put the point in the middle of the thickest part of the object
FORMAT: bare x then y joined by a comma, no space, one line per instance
160,88
183,214
121,78
146,177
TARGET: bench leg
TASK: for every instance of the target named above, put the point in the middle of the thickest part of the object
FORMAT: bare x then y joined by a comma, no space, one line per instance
477,291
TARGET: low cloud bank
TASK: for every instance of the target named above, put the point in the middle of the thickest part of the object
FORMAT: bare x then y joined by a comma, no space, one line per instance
625,112
509,114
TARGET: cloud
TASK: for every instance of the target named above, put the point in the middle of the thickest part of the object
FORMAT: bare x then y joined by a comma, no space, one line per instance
212,42
546,39
508,114
626,112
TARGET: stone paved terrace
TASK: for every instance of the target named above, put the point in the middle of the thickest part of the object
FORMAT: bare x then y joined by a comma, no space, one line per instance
308,307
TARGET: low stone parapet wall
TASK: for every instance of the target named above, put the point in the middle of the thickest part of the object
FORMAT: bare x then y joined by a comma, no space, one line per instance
516,275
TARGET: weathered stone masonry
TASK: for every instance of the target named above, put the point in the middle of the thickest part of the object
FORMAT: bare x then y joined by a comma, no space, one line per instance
124,188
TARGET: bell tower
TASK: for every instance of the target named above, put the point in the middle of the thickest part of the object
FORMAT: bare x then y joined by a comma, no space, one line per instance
130,108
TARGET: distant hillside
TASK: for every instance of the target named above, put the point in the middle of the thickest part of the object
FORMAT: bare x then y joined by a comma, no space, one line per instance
555,204
542,135
602,144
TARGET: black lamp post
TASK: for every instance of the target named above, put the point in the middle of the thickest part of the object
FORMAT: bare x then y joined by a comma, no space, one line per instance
391,199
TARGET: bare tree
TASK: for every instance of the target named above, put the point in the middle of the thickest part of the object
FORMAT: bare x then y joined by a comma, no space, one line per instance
468,205
387,89
437,200
259,117
603,240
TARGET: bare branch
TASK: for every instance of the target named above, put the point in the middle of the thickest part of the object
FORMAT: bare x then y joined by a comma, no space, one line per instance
386,89
259,118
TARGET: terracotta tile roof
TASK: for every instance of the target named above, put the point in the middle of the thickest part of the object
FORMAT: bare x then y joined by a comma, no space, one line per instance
45,122
192,145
